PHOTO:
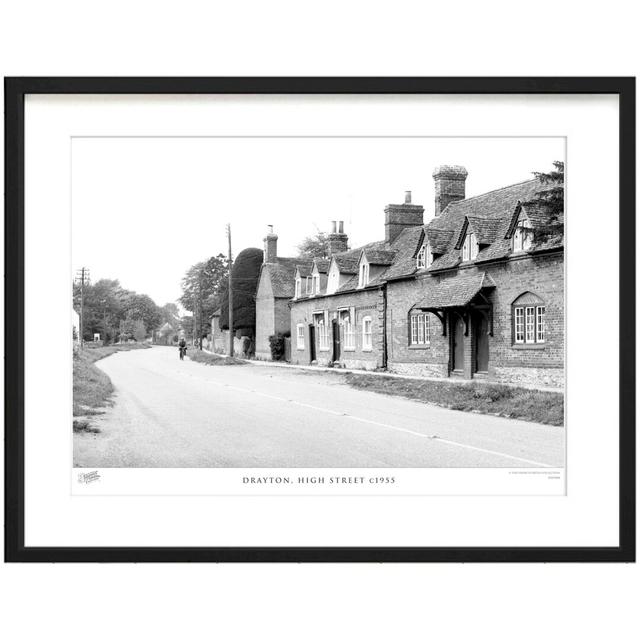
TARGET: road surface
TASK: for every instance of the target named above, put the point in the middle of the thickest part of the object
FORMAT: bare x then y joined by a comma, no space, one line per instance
169,413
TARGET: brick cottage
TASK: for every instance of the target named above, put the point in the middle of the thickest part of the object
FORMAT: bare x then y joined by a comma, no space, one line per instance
476,293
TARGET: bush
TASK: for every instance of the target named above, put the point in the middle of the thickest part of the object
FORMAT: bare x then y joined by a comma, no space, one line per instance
276,344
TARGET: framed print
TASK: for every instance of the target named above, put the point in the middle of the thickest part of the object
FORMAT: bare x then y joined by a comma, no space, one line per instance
320,319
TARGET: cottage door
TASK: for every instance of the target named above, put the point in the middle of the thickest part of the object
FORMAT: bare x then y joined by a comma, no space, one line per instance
458,344
312,342
481,331
336,341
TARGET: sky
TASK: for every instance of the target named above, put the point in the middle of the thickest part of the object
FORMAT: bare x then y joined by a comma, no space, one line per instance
145,209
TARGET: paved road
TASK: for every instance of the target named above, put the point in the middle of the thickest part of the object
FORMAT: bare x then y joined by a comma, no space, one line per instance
169,413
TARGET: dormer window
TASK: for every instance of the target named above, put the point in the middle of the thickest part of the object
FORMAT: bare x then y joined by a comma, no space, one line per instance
523,235
363,279
298,287
316,284
424,259
470,247
309,285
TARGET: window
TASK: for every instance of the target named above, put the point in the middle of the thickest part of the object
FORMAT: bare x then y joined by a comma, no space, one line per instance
316,284
540,327
519,325
425,257
367,341
420,332
308,285
348,329
300,336
529,320
364,275
469,248
349,336
298,287
333,279
323,333
523,235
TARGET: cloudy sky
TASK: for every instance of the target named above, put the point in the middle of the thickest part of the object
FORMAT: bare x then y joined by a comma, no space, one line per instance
145,209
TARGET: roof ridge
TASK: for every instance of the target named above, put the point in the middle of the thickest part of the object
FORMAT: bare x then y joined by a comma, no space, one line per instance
486,193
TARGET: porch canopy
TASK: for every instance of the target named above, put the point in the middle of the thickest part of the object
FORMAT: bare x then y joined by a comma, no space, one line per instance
454,292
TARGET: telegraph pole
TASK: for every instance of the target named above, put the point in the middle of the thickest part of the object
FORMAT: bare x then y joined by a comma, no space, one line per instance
230,295
82,276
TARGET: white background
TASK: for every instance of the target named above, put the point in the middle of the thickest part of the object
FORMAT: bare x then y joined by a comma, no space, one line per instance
401,601
586,516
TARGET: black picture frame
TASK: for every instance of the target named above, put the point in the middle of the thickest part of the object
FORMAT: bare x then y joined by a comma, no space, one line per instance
15,91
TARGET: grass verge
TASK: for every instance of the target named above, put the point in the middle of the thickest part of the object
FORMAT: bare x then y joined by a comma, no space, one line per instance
92,388
211,358
510,402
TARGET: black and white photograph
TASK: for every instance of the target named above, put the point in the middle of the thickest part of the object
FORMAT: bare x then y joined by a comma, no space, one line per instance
318,302
358,319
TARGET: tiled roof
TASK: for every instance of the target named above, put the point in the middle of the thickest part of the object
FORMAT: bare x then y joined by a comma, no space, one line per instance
349,285
282,276
322,265
438,238
346,264
454,292
485,229
378,256
304,270
405,246
489,215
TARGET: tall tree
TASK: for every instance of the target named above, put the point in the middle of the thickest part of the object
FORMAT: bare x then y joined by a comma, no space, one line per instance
315,246
245,272
201,288
170,314
107,303
552,197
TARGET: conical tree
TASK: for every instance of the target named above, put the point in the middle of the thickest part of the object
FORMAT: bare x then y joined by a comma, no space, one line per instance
245,274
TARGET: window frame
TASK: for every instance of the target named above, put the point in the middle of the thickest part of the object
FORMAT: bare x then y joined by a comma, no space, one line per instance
365,346
529,327
300,337
419,330
522,235
323,332
421,258
470,248
348,330
363,279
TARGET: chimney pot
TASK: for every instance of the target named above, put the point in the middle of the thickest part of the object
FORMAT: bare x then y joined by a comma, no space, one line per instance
341,226
333,226
407,197
270,246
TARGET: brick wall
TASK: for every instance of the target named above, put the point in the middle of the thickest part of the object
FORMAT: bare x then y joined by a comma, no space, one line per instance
365,303
543,365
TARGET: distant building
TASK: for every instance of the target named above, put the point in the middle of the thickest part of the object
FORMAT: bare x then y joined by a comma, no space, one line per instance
166,335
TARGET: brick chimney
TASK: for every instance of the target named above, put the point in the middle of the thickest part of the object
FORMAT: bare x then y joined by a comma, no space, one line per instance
338,239
450,180
398,217
270,246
